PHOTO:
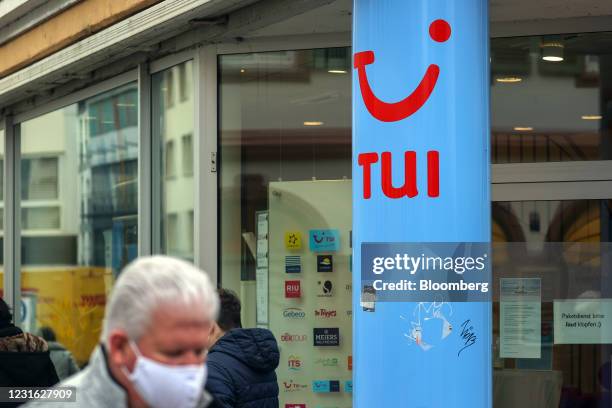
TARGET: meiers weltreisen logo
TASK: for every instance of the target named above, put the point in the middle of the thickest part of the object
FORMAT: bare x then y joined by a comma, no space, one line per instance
326,336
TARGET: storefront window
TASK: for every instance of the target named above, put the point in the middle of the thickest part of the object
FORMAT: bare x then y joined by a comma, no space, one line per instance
173,123
285,164
285,169
79,210
550,98
553,292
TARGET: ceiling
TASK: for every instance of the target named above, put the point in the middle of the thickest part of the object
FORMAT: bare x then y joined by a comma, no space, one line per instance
336,17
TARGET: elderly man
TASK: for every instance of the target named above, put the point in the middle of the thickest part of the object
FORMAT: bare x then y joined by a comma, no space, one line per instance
154,341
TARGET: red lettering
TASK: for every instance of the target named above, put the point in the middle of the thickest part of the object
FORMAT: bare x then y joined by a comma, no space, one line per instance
433,173
366,160
409,189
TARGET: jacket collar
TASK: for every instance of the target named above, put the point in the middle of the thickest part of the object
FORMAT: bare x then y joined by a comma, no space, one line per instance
108,390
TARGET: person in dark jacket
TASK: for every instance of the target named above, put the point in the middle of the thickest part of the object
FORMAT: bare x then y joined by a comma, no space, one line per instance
62,358
241,363
24,357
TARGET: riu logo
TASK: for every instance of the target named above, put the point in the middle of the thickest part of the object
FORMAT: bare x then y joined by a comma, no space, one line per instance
439,31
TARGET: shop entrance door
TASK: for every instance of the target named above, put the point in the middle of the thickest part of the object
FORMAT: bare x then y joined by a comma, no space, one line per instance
551,244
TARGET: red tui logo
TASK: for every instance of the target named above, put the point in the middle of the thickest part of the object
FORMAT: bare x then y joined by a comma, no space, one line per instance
439,31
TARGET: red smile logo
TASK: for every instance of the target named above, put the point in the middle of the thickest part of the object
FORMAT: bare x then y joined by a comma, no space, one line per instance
439,31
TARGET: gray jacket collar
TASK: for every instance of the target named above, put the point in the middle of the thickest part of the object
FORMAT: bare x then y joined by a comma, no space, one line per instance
103,387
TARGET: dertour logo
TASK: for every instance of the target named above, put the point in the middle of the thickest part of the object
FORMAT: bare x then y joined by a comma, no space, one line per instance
439,31
293,338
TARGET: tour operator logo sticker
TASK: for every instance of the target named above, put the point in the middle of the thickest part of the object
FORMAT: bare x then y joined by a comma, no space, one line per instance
326,336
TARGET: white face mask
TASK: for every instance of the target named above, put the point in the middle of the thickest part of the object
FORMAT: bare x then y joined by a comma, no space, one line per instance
163,386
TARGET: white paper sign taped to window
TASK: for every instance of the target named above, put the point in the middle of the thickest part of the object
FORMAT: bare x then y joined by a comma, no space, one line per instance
584,321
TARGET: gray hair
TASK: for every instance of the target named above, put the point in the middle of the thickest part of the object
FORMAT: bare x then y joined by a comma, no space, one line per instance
151,282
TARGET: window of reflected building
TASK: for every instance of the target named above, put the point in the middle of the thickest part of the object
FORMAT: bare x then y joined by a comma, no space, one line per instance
173,124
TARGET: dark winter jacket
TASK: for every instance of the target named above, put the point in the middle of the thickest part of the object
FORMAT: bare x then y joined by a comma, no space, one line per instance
24,360
241,370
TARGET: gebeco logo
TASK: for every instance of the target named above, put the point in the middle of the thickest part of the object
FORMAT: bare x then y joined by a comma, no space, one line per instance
294,313
325,313
288,337
439,31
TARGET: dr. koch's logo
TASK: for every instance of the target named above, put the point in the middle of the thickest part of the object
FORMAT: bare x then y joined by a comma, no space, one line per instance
439,31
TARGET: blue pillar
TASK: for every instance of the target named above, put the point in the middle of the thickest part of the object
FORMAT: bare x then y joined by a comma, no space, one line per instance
421,176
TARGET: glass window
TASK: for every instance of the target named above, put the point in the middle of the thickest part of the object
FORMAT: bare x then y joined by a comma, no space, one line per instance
187,155
173,123
40,178
564,247
285,150
549,99
79,212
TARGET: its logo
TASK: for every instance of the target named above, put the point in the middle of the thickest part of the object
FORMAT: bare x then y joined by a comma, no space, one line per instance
439,31
293,289
326,336
327,288
290,386
294,313
294,363
324,313
293,338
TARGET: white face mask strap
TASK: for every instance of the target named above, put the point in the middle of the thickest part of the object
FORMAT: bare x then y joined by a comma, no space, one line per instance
135,348
136,351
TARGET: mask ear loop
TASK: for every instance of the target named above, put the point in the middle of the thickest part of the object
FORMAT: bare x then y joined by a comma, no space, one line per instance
136,351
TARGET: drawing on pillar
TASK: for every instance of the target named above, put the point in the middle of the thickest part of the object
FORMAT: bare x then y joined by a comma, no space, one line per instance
429,318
